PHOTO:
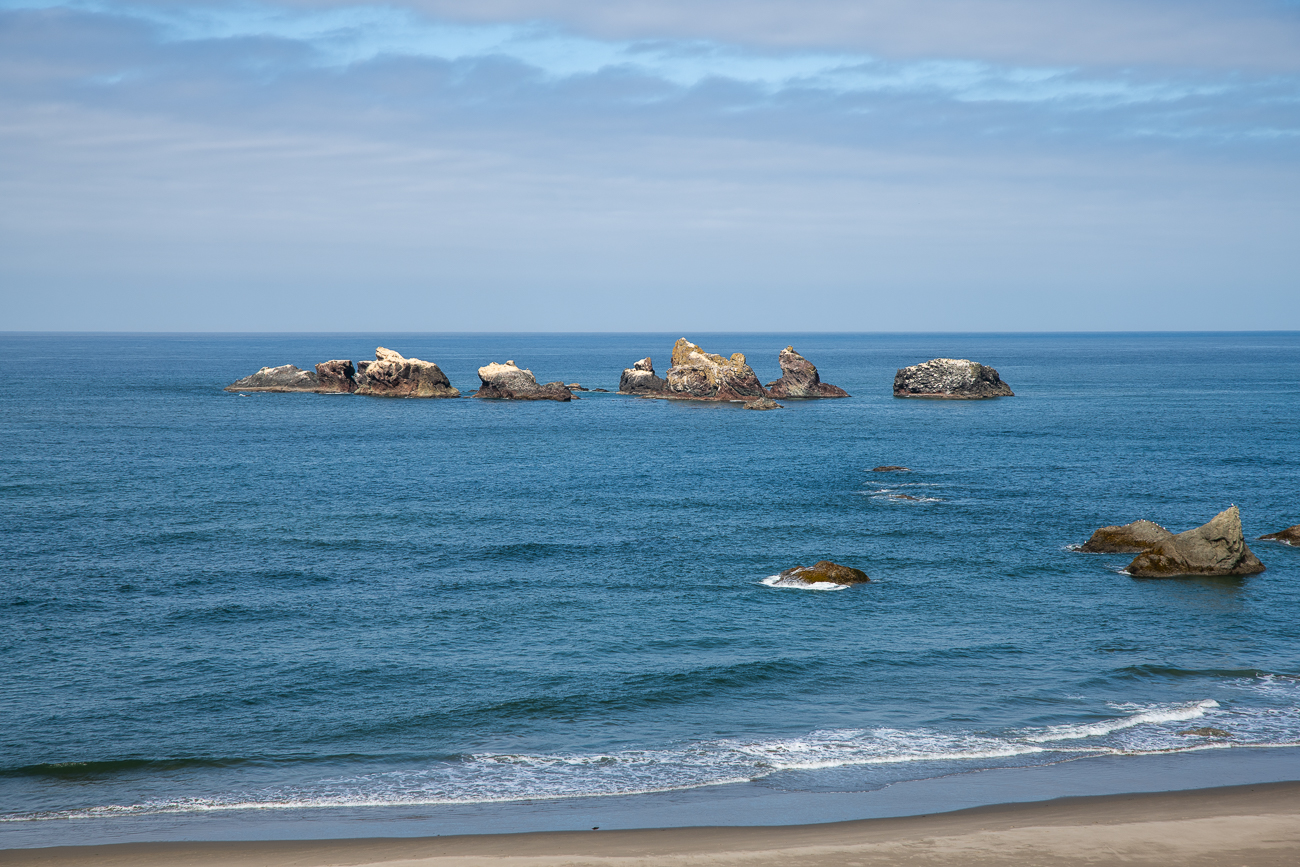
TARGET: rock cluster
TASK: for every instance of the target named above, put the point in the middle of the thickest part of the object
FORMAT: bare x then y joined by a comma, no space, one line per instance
391,375
640,378
1215,548
951,378
699,375
510,382
1127,539
826,571
1289,536
799,378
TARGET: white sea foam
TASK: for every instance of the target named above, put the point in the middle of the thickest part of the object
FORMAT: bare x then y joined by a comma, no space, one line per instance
1158,714
800,584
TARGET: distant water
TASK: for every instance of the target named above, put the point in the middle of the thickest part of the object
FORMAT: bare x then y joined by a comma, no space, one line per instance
211,603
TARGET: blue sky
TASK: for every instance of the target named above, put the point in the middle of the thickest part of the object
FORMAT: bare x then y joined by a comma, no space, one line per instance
561,165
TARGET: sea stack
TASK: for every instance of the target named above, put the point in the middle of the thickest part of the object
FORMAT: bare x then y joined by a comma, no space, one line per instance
286,377
799,378
950,378
510,382
640,378
1215,548
1126,539
699,375
826,571
1289,536
391,375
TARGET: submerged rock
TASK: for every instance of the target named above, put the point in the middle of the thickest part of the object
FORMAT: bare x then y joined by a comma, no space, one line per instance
286,377
951,378
336,376
640,378
1289,536
891,469
826,571
392,375
511,382
699,375
799,378
1127,539
1206,732
1215,548
762,403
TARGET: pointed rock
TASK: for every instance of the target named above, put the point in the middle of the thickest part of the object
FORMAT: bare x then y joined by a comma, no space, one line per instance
700,375
1215,548
640,378
799,378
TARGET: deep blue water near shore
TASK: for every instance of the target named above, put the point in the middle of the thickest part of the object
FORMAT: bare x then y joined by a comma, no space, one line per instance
211,602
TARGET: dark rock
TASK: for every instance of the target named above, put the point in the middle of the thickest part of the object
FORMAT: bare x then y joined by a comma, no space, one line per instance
600,391
825,570
392,375
640,379
699,375
286,377
1289,536
951,378
762,403
904,497
1127,539
510,382
1215,548
575,386
890,469
799,378
1206,732
336,377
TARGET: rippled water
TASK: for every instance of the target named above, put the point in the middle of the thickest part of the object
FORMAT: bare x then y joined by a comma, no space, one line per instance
211,602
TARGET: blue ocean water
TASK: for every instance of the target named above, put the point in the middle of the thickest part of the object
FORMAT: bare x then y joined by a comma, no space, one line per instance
213,603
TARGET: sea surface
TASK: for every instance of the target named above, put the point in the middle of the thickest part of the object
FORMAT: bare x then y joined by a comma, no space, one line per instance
215,606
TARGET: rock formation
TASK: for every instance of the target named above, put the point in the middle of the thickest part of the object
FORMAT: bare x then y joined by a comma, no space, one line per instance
952,378
640,379
799,378
1289,536
1216,548
762,403
699,375
391,375
825,570
891,469
336,377
510,382
1128,539
286,377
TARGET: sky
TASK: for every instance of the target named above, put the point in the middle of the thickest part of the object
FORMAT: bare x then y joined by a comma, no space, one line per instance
708,165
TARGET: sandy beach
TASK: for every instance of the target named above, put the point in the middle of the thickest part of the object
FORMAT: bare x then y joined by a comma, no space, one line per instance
1239,825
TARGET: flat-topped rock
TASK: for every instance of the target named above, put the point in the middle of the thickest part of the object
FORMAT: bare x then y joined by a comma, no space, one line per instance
392,375
951,378
286,377
762,403
890,468
1215,548
699,375
1289,536
826,571
510,382
640,378
1126,539
799,378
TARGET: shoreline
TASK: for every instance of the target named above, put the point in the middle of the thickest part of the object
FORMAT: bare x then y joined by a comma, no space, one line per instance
1257,824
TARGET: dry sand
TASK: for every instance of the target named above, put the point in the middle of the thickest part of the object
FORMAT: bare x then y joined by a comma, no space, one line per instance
1257,826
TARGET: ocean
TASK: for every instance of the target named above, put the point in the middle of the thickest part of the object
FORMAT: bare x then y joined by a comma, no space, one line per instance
226,615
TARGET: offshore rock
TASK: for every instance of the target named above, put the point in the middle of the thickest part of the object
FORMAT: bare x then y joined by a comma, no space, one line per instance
336,376
510,382
1127,539
826,571
951,378
700,375
392,375
891,469
1289,536
763,403
286,377
1215,548
799,378
640,379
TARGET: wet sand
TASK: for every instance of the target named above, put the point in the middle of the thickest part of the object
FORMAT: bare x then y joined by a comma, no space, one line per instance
1256,825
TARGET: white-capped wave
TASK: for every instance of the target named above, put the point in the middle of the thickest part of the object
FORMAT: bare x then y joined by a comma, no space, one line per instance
1160,714
800,584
